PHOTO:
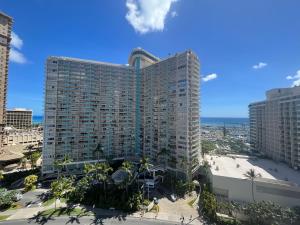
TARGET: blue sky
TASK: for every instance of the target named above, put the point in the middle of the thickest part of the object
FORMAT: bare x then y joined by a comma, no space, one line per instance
231,37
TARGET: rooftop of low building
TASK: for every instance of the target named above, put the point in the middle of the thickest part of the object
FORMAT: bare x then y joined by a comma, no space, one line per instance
236,166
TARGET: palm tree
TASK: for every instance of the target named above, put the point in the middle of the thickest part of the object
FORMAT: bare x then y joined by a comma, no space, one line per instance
144,167
30,148
102,174
99,151
58,167
127,167
251,174
66,160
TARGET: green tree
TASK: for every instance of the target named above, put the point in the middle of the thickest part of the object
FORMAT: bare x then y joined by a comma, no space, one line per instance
209,204
207,146
1,175
252,175
7,198
34,158
62,187
127,167
269,213
66,160
30,182
99,151
58,166
102,174
144,167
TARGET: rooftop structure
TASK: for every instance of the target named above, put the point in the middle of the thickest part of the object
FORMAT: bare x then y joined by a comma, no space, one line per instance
236,166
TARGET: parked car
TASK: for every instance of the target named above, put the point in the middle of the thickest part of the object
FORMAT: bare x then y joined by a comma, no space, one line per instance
19,196
39,185
173,197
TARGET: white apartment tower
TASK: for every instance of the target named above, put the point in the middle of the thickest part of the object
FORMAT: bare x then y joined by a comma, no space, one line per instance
129,111
275,126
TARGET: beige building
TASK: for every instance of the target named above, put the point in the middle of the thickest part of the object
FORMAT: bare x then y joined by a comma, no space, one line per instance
129,110
19,118
21,137
277,182
275,126
5,38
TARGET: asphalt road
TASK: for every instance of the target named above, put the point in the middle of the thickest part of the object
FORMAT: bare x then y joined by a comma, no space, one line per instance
90,221
32,198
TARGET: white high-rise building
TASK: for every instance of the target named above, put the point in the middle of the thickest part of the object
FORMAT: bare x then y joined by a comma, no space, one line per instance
275,125
128,111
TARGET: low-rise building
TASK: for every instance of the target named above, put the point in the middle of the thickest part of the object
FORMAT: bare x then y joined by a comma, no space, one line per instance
15,137
277,182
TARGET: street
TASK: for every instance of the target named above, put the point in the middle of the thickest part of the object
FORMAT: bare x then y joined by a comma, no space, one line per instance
64,220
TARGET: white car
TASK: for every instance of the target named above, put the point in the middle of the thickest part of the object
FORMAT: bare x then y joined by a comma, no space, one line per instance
19,196
173,197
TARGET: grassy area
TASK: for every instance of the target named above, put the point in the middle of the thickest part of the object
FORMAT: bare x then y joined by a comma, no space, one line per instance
16,205
65,211
192,202
155,209
4,217
51,201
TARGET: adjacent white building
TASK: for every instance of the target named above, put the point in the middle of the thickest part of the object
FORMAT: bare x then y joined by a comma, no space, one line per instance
278,183
275,126
126,110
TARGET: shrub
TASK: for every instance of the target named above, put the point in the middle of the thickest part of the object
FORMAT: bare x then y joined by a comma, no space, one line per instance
209,204
30,182
7,198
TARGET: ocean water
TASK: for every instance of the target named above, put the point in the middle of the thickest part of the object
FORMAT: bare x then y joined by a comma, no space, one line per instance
218,121
205,121
37,119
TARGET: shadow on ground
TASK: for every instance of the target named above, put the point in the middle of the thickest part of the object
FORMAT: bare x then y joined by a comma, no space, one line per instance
98,215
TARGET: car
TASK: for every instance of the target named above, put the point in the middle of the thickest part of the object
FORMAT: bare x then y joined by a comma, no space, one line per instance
19,196
173,197
39,185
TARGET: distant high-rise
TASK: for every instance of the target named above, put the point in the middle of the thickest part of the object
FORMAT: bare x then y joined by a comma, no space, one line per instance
128,111
5,38
19,118
275,125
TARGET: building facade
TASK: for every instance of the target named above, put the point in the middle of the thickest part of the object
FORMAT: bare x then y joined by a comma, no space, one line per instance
19,118
21,137
5,38
274,126
129,110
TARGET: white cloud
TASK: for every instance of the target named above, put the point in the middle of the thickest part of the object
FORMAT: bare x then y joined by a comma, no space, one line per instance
174,14
209,77
16,41
16,56
295,78
148,15
16,45
260,65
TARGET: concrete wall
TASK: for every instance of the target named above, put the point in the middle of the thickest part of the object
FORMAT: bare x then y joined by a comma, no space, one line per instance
240,190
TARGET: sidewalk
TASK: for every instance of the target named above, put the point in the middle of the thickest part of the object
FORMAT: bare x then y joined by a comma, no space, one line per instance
26,213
